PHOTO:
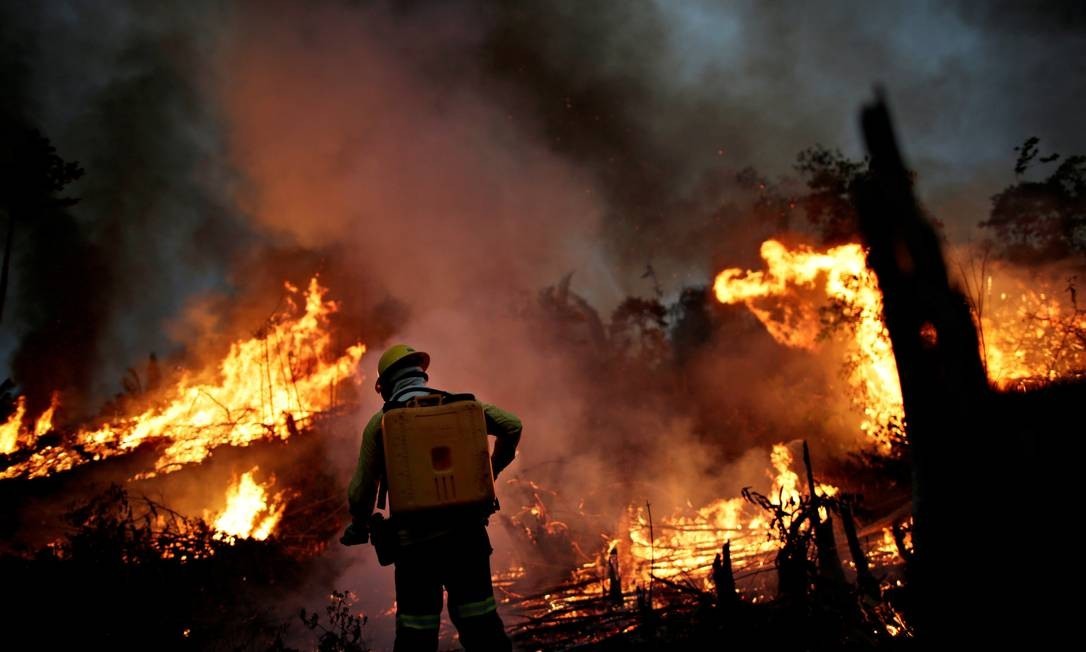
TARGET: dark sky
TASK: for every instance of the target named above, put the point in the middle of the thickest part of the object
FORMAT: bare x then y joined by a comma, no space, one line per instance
968,81
633,114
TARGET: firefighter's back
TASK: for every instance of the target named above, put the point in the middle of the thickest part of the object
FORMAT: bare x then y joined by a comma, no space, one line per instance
440,493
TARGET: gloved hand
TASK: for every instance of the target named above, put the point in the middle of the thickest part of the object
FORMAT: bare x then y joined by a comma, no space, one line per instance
355,534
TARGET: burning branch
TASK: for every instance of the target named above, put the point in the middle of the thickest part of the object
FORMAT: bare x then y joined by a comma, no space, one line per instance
188,425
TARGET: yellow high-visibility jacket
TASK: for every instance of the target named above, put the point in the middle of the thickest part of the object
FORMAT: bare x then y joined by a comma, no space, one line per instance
362,492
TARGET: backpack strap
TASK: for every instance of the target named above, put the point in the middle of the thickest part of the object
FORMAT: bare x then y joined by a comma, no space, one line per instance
382,491
442,397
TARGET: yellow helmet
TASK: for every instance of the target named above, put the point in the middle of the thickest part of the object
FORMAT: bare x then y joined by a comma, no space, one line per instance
400,355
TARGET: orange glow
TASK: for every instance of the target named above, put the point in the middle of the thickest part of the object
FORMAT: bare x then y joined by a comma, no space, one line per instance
14,433
9,431
1030,335
779,298
251,512
45,422
685,544
285,373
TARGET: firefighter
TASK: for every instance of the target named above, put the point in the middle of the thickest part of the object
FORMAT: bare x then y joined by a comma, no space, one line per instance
445,548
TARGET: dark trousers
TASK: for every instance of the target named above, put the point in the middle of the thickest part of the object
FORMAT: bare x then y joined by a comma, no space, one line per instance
459,562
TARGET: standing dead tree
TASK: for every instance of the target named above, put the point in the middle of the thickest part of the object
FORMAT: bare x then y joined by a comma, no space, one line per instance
724,578
829,562
974,451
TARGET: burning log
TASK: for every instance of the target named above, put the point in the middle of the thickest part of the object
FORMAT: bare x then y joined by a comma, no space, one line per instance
565,618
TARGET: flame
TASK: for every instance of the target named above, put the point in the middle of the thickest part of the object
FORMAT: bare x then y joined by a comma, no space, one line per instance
13,432
1030,335
886,548
10,430
250,513
686,544
1026,335
45,421
841,276
786,481
264,385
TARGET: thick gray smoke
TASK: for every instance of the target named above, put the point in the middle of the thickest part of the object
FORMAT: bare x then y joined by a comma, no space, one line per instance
641,112
667,99
123,93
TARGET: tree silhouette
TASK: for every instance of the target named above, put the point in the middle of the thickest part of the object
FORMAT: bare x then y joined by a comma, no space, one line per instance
831,178
32,178
1037,221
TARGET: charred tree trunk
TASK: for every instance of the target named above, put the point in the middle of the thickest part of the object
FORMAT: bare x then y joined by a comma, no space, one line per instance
724,578
829,562
614,580
792,573
945,392
646,614
866,582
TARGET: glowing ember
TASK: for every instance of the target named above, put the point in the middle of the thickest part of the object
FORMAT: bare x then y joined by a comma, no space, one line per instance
887,547
1031,336
250,512
842,276
260,390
